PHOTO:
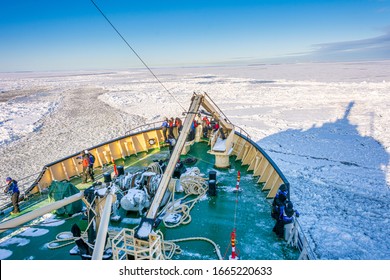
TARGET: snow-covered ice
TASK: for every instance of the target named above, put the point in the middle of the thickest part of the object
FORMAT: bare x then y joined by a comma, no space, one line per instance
324,124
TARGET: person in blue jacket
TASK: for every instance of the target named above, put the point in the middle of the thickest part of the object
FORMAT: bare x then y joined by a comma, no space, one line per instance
279,201
282,210
288,218
12,188
90,166
165,127
172,143
289,213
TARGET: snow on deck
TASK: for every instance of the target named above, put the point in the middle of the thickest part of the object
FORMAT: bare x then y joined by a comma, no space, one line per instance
220,145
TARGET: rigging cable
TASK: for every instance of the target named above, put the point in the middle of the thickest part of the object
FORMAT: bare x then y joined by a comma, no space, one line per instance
143,62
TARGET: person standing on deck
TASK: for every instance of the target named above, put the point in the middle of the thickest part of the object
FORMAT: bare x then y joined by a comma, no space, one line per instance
279,201
285,221
172,143
278,205
85,163
206,126
216,126
165,127
12,188
179,124
289,214
283,212
91,158
171,124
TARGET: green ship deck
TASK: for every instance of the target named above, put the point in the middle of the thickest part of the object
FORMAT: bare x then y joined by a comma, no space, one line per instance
212,217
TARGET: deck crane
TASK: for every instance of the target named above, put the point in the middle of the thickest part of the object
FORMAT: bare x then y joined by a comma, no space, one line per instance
221,148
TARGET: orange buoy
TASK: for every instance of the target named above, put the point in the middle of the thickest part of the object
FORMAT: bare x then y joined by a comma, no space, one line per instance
234,255
115,170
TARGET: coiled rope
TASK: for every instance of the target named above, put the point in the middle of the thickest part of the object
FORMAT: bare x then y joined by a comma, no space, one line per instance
70,240
193,184
155,167
54,244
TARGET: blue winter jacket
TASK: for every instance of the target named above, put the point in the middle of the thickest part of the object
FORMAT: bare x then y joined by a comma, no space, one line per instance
91,159
12,187
287,215
165,124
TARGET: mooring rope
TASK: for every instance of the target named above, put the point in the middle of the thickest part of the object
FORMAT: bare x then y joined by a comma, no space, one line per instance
217,251
53,244
173,248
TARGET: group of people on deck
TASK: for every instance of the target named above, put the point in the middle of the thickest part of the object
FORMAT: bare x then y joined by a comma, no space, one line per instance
209,125
171,129
282,211
173,126
11,188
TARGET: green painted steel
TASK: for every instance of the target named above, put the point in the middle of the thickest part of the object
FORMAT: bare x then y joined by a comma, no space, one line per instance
212,217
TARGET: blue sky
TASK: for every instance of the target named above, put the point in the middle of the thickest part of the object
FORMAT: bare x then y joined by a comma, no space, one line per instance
72,35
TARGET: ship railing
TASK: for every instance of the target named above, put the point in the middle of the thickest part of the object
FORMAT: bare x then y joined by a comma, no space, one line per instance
242,131
143,127
249,152
219,109
302,243
294,236
157,125
23,185
31,181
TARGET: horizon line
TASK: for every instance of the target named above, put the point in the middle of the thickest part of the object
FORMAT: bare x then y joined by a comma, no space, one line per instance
214,65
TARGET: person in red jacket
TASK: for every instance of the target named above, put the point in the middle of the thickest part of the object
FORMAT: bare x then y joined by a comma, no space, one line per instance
206,126
85,162
171,124
216,126
178,124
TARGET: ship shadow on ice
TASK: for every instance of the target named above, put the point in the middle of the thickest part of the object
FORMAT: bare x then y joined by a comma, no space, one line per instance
338,182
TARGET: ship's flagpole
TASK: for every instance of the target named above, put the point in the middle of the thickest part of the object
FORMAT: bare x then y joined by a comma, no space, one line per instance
234,255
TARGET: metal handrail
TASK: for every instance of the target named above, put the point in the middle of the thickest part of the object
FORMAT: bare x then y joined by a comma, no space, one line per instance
303,242
216,106
241,131
22,179
144,126
23,184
